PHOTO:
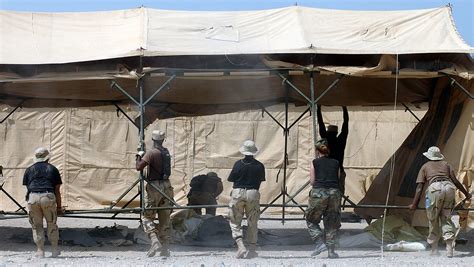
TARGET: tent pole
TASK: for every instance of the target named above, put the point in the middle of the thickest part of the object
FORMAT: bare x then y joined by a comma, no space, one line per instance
114,203
285,160
13,111
119,109
460,87
128,203
141,107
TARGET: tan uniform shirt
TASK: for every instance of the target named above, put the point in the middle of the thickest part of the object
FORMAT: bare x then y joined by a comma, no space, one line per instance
153,158
433,169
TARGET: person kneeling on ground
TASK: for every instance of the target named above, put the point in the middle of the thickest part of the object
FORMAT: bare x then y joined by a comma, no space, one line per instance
247,174
324,201
440,197
205,188
43,181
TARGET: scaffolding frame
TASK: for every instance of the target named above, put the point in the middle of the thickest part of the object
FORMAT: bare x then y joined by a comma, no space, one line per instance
171,74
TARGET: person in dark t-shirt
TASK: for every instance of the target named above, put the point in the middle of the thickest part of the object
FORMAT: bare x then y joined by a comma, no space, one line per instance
247,174
337,143
324,201
43,182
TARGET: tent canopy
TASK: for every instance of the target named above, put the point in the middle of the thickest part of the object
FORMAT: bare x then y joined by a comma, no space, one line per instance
227,61
52,38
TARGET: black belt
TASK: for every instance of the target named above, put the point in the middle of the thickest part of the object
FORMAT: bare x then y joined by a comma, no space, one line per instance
42,192
246,188
440,179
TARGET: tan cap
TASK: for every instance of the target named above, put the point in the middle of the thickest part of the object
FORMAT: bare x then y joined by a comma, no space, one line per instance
158,135
41,155
248,148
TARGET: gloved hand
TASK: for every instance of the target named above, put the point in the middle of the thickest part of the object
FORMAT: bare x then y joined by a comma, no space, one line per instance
140,154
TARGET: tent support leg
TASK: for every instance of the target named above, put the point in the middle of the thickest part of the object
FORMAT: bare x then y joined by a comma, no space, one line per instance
128,203
461,87
13,199
119,109
411,112
114,203
13,111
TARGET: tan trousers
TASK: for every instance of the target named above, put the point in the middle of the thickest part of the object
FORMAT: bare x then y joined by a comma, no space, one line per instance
440,197
247,201
155,199
43,205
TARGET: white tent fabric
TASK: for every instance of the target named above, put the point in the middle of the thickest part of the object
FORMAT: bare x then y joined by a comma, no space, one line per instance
45,38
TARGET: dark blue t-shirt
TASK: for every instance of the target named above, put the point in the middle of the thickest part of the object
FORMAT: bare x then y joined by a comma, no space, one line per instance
41,177
247,173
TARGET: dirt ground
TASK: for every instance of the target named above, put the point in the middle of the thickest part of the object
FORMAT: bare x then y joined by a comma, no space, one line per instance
15,253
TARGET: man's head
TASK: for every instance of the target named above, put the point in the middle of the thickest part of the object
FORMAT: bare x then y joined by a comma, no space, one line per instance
158,136
249,148
212,174
41,155
331,131
322,146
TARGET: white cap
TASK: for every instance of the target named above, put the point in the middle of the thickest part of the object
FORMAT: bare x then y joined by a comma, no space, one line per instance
157,135
41,154
248,148
433,153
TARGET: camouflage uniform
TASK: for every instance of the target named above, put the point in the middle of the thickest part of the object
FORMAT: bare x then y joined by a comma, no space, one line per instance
247,200
202,198
440,198
155,199
325,203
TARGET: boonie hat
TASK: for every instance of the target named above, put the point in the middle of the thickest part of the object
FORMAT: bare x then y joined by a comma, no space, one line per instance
332,128
248,148
41,155
158,135
433,153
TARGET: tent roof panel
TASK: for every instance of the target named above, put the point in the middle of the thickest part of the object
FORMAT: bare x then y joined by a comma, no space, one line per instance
47,38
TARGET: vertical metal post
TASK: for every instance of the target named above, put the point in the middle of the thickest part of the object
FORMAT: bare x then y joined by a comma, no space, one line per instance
313,109
285,160
142,136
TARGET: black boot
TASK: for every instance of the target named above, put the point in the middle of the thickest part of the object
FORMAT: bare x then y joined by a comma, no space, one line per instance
331,253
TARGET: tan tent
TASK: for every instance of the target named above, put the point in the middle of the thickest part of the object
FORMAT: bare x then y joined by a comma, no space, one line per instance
178,63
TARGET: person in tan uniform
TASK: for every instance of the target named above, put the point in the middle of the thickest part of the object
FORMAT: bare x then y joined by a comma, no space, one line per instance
159,170
440,197
43,182
247,175
205,188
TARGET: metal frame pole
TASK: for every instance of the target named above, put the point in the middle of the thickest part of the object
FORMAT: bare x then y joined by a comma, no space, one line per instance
285,160
13,111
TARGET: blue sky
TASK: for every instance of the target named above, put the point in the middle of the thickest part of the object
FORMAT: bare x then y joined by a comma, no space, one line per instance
463,10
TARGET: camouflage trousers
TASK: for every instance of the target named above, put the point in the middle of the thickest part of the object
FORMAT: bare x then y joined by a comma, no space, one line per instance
324,203
248,201
202,198
43,205
155,199
440,197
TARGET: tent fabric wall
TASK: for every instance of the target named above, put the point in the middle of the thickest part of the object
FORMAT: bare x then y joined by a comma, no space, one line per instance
94,149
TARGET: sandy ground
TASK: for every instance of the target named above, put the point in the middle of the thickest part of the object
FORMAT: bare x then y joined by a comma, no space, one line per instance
14,253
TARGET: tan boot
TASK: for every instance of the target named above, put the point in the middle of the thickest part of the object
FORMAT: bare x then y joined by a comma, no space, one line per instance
434,249
155,245
40,251
450,248
165,250
55,252
241,250
252,251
